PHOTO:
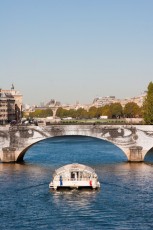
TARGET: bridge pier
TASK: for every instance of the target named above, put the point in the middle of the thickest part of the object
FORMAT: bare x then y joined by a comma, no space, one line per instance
135,154
8,155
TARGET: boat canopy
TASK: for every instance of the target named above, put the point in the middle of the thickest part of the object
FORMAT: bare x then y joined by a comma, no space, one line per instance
74,167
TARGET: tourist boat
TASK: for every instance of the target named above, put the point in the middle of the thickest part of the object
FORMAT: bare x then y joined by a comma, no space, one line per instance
74,176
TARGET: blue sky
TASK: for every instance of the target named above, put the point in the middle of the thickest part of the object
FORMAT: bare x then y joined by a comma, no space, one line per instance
75,50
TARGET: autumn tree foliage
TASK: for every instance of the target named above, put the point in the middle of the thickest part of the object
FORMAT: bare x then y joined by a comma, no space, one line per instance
116,110
132,110
41,113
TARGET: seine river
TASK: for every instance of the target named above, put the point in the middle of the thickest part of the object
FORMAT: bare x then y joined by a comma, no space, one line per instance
125,200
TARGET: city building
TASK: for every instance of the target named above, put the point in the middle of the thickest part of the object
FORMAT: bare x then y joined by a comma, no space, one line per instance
10,105
138,100
53,103
102,101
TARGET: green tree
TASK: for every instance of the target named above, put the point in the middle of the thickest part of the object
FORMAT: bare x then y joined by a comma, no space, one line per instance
41,113
116,110
72,113
62,112
106,111
131,110
81,113
92,113
148,105
99,112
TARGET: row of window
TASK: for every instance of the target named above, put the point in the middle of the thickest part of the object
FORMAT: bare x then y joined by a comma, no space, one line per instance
6,115
7,111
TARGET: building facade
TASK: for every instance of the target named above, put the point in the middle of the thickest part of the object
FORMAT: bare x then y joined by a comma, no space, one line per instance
10,105
102,101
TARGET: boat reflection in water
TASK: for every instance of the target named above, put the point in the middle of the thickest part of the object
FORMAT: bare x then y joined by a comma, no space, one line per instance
74,176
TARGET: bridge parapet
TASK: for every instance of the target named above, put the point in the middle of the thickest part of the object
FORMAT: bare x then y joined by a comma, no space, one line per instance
135,140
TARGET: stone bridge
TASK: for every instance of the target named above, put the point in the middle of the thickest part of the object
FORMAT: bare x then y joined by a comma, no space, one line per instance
134,140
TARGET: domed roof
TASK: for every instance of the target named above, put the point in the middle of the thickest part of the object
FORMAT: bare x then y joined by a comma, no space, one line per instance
74,167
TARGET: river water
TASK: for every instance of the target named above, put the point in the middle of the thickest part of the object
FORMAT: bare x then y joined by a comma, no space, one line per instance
125,200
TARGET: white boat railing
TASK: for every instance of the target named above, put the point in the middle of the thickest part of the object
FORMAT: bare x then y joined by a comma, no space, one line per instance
78,179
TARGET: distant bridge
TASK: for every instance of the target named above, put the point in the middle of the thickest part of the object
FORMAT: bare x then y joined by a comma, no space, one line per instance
134,140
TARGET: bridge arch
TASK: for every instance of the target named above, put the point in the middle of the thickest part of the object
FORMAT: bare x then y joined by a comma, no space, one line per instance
24,151
134,141
148,153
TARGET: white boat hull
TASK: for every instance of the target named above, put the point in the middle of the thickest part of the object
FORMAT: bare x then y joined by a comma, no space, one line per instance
74,184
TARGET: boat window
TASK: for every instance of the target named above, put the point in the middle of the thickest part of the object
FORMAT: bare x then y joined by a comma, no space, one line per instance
75,175
72,175
86,175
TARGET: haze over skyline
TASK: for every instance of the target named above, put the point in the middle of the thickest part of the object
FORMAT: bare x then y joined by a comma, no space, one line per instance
76,50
